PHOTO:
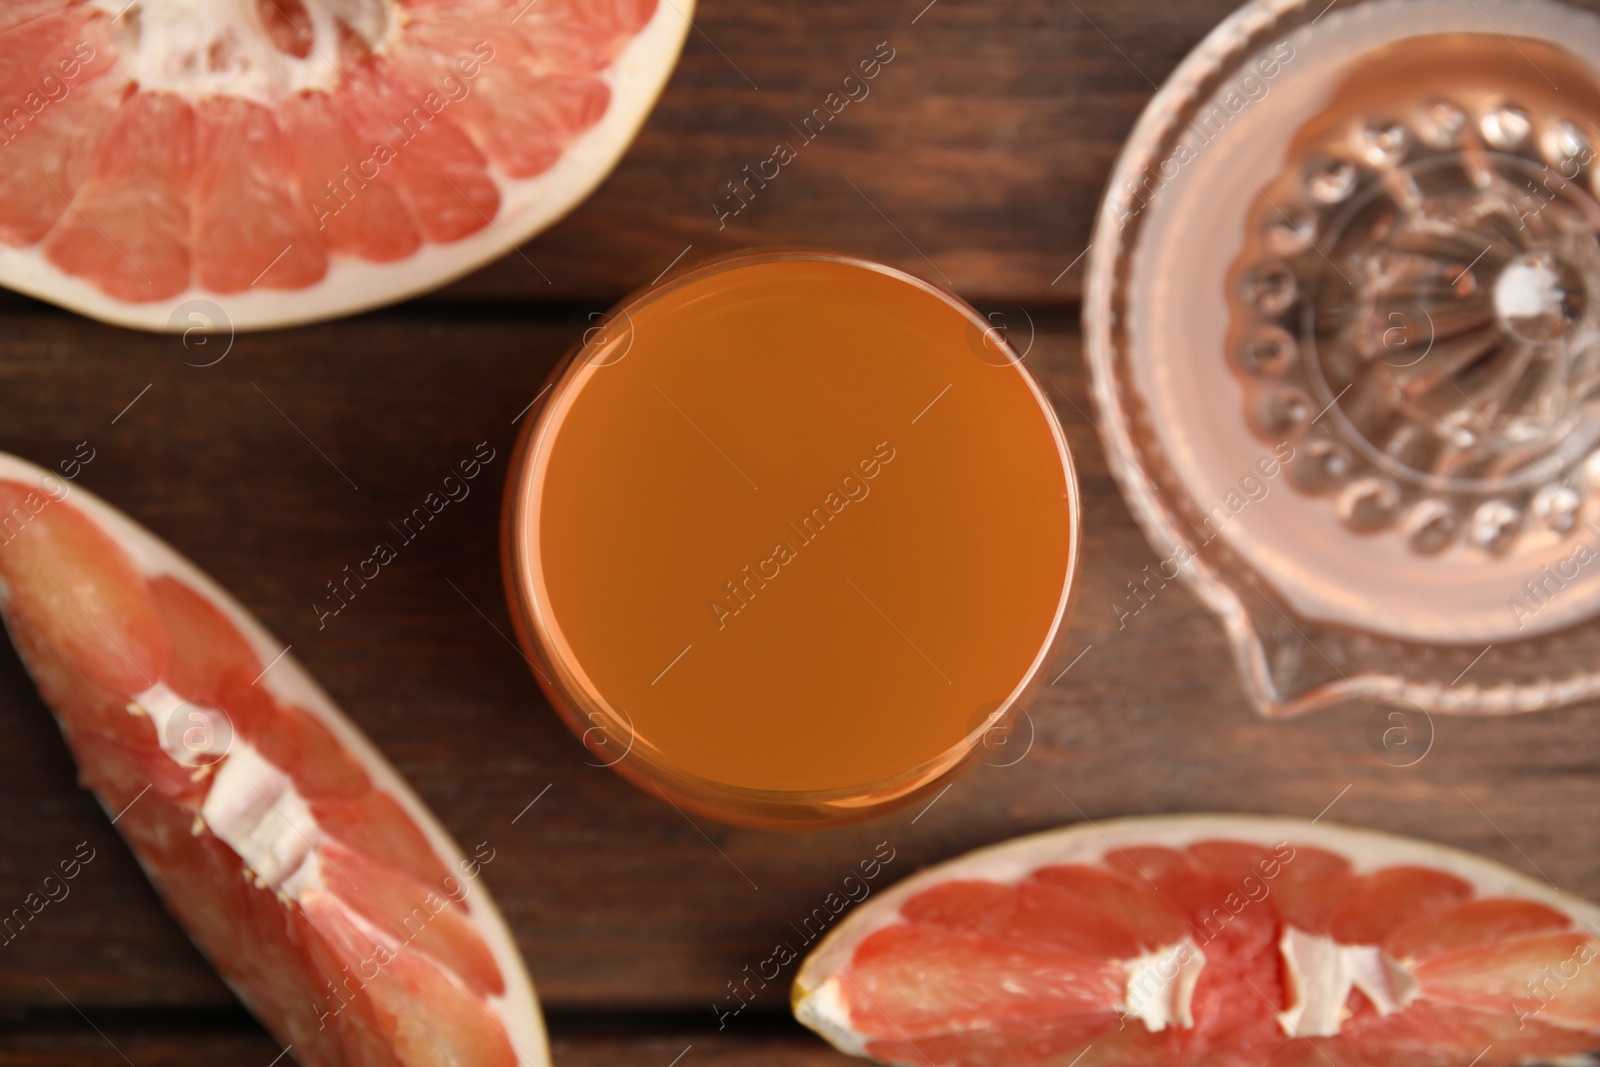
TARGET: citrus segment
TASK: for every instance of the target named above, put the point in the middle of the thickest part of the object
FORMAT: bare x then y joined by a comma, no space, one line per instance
1308,893
355,215
376,824
28,49
295,857
524,111
419,914
21,11
126,746
1035,912
303,158
46,165
49,65
1147,862
205,646
1436,1034
1268,942
292,740
398,994
913,979
1547,975
1478,922
127,229
1385,900
441,175
1135,905
67,579
243,206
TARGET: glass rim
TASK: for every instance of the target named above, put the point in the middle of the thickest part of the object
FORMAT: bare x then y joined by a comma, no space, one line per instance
584,706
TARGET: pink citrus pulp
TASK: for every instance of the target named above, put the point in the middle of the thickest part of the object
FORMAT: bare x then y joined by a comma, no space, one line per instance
300,863
1227,941
291,160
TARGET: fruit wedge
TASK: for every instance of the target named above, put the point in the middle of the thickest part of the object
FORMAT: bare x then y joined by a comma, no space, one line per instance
293,160
1223,940
300,863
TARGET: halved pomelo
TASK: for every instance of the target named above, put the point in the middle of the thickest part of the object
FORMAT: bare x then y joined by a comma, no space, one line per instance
300,863
293,160
1210,939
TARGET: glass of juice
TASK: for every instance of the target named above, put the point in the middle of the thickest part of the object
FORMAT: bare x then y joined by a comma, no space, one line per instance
789,536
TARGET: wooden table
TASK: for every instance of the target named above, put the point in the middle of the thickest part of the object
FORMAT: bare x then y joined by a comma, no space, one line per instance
977,160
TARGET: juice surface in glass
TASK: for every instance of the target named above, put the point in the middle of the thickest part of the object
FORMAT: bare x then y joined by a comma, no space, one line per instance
788,535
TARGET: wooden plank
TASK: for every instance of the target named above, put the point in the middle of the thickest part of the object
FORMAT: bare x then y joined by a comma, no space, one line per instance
697,1050
619,902
976,157
81,1046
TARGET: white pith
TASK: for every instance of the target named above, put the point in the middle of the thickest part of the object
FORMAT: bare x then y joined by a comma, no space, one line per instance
1322,973
200,48
250,804
255,809
1319,968
1160,989
162,706
527,206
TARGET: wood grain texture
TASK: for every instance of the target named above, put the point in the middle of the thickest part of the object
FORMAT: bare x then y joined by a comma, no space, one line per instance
618,901
246,1044
977,159
984,148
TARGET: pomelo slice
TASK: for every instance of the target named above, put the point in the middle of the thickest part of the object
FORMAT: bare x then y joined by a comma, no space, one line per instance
1210,940
293,160
300,863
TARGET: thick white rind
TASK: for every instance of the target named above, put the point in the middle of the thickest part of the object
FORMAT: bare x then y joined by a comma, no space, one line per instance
527,207
1014,860
518,1007
826,1011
